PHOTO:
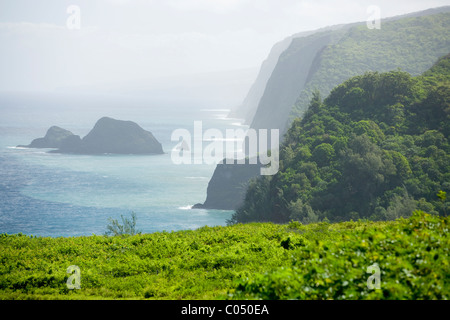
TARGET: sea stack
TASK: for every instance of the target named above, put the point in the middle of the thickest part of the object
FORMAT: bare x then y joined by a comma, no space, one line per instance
108,136
116,137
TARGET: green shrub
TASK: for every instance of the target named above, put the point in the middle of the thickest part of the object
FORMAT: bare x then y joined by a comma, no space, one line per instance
255,260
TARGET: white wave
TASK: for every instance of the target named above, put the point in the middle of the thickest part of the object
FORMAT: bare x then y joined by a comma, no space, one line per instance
189,207
221,117
197,178
216,110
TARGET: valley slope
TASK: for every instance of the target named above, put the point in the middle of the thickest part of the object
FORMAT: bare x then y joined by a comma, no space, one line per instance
321,60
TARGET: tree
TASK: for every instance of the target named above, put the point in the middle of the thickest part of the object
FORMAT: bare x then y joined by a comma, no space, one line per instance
442,195
302,212
128,227
315,104
323,154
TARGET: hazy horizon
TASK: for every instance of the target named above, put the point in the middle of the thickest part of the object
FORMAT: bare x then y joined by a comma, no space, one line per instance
132,41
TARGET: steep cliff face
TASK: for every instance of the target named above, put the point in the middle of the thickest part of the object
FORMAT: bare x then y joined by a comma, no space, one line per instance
229,182
248,107
251,102
288,80
328,57
412,44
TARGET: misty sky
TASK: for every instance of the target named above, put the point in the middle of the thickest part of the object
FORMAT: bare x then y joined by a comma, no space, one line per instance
122,40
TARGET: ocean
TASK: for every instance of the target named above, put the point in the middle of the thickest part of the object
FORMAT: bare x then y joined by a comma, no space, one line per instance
59,195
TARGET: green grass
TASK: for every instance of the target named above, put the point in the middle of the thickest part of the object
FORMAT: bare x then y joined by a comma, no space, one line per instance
243,261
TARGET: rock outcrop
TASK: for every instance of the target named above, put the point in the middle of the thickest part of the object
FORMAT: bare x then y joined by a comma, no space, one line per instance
219,193
108,136
114,136
52,139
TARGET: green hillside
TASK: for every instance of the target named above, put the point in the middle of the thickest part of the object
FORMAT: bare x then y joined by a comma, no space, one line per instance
412,44
326,58
256,260
377,147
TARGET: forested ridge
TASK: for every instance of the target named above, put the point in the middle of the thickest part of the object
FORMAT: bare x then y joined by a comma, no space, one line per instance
376,148
413,43
322,60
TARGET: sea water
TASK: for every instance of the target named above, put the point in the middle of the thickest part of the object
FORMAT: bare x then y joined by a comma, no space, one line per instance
49,194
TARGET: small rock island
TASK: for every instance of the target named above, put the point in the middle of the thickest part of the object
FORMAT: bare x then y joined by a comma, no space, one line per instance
108,136
53,138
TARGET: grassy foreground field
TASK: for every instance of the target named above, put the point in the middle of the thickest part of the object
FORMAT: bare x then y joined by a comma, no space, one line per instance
243,261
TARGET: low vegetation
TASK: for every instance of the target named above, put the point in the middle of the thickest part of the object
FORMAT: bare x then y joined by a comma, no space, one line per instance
242,261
